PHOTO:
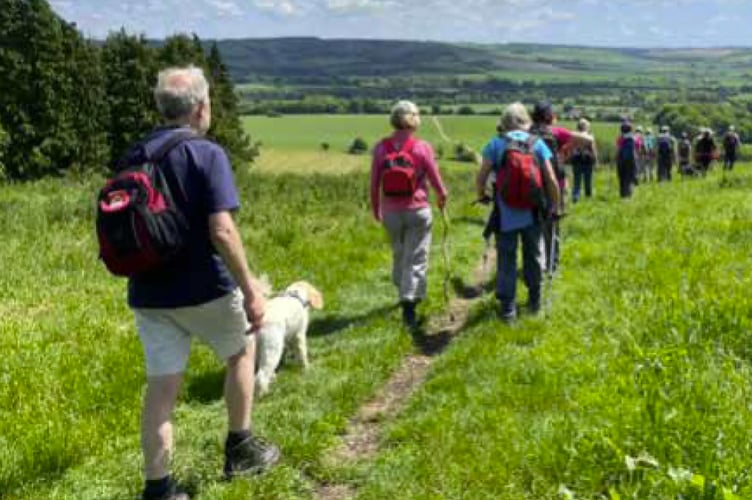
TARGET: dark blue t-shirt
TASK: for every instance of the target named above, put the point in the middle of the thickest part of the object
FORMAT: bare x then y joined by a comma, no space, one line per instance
198,275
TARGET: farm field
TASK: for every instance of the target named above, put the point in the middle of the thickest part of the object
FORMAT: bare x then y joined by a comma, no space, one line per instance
293,142
636,385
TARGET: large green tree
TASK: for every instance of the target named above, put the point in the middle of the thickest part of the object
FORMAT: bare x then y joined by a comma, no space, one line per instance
131,72
51,93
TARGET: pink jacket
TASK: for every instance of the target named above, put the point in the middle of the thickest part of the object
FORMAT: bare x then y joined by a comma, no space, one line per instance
426,169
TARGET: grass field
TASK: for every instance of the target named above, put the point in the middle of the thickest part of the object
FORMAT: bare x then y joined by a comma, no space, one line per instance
635,386
289,141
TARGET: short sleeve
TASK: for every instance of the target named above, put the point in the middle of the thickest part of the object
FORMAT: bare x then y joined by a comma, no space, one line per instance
221,193
492,152
542,151
562,135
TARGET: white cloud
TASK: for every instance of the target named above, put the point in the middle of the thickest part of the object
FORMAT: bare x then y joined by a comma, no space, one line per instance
281,7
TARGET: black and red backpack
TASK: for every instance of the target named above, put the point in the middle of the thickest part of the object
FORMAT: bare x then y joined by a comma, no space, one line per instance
139,226
399,177
519,179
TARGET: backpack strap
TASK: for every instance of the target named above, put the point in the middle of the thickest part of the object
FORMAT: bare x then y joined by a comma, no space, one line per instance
407,146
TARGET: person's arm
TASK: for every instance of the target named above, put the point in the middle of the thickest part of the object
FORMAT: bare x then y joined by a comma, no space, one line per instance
226,239
482,178
434,176
577,139
375,181
551,185
595,152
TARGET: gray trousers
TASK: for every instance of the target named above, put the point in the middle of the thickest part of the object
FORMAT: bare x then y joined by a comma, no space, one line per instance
410,235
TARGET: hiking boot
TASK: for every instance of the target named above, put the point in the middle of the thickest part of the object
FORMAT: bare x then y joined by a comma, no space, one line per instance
507,312
172,493
534,303
253,455
409,318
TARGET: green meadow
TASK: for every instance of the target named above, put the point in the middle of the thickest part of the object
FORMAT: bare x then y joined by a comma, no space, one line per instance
634,384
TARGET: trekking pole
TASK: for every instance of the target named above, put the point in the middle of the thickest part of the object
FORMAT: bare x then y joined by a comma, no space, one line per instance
551,269
446,256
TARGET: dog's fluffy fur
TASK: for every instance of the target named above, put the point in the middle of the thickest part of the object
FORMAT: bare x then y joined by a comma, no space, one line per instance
285,324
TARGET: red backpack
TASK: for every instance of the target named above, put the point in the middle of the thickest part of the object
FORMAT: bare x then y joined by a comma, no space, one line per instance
519,180
139,227
400,177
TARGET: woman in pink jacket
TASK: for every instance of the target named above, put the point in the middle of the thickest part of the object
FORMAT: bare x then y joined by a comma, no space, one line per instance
402,167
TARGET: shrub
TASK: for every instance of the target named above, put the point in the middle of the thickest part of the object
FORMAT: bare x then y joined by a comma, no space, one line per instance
462,152
358,147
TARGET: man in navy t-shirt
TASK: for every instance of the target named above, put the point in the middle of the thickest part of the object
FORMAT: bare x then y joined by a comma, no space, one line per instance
207,292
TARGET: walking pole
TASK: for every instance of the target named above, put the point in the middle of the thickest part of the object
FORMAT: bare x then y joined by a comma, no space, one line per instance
446,256
550,268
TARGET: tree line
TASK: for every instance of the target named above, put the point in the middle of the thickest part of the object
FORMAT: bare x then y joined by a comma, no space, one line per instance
68,104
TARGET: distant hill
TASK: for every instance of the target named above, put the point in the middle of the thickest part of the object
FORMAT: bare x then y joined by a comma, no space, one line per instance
251,59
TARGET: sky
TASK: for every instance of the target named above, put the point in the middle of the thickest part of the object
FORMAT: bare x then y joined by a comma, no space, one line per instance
612,23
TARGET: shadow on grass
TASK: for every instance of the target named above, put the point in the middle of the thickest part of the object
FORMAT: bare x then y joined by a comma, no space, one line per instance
206,387
320,327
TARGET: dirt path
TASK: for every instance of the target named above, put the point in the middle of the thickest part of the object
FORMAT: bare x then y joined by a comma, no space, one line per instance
361,440
440,129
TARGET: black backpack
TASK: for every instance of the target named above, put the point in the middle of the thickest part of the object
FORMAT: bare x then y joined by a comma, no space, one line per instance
139,226
545,133
664,148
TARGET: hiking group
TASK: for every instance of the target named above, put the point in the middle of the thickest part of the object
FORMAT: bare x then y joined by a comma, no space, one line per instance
636,154
165,221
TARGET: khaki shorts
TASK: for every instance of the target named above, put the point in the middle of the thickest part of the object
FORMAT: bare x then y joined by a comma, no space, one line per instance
166,333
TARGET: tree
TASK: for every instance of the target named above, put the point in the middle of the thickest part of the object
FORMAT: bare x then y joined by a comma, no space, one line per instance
51,98
131,73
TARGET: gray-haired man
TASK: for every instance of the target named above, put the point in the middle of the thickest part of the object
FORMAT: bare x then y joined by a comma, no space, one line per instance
207,292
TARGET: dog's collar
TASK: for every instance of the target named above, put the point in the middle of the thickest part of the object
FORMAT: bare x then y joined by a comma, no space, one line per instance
295,295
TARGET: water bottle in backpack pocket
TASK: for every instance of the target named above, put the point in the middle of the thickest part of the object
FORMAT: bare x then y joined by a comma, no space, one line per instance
139,226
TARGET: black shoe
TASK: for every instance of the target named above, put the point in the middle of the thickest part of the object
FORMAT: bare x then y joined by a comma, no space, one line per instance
253,455
409,318
172,493
507,313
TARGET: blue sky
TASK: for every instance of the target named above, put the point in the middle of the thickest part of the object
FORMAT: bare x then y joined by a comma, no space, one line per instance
634,23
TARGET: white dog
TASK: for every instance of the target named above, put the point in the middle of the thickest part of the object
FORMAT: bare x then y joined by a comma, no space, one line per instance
285,323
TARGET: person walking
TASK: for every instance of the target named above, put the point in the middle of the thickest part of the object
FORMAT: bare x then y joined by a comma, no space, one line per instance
583,159
731,145
685,156
706,151
626,160
666,148
557,139
402,167
207,291
649,154
517,224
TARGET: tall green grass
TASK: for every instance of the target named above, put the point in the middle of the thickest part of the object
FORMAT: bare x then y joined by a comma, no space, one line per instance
71,363
636,386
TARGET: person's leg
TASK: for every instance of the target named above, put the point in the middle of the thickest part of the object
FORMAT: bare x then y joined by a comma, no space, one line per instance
166,348
156,425
238,389
415,262
532,255
577,169
588,178
415,256
506,272
224,326
395,228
